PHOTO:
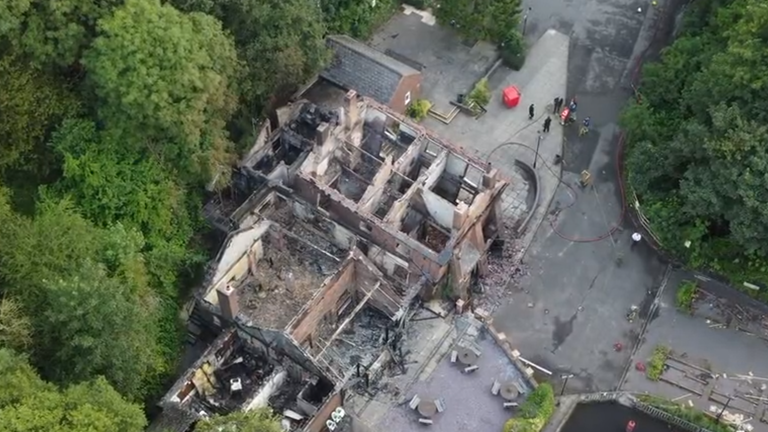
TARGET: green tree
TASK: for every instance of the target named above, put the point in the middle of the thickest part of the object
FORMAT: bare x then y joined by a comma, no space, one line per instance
28,404
32,103
491,20
52,33
110,182
261,420
15,327
695,155
356,18
90,310
166,80
281,45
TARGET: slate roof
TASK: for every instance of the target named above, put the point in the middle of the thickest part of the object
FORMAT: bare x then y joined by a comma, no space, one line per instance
358,67
173,419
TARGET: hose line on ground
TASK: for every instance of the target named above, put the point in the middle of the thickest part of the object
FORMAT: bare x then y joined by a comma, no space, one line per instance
553,220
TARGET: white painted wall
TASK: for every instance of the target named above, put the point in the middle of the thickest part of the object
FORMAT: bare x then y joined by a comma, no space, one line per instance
440,209
238,246
261,399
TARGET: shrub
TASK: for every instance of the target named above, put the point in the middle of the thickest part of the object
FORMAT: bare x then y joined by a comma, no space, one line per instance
419,109
687,413
534,412
480,94
656,365
686,294
512,51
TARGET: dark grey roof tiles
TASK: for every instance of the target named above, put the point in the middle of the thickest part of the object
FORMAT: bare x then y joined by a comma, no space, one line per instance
173,419
359,67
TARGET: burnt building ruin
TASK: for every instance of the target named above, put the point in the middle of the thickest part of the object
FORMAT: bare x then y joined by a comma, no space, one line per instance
343,218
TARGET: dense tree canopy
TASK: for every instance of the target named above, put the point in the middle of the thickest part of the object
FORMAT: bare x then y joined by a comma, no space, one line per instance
52,33
84,290
166,79
28,404
491,20
113,115
697,156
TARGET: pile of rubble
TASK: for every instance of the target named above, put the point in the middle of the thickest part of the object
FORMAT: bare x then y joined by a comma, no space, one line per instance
495,288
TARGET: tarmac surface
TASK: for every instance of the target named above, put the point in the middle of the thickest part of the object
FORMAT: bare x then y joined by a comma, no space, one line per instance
569,312
710,340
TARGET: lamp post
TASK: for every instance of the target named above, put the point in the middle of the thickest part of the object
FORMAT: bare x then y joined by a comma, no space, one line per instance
717,420
538,144
525,20
565,382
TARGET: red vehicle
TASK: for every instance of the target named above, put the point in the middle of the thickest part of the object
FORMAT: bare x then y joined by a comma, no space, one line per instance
568,115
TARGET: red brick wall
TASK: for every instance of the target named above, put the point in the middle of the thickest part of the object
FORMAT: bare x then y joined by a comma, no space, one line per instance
324,304
411,83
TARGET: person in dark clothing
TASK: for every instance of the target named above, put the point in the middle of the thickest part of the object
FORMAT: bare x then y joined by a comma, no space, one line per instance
530,112
547,123
558,105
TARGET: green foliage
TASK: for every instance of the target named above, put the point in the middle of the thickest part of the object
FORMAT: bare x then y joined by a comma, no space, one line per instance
419,109
655,366
480,94
513,50
110,181
52,33
489,20
685,412
91,315
261,420
695,155
15,326
686,294
32,103
357,18
28,404
535,411
166,80
280,44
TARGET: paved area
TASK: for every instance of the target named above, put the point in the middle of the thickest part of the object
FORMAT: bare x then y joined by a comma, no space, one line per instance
704,342
469,404
503,135
570,309
449,66
452,68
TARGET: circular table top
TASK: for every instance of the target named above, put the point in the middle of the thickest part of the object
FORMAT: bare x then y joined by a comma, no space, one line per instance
427,408
509,391
467,356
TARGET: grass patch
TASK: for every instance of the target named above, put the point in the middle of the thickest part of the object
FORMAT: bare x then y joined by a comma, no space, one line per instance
534,412
686,294
685,412
656,365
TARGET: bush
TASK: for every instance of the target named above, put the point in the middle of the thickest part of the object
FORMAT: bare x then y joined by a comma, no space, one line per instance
656,365
480,94
419,109
512,51
534,412
686,413
686,294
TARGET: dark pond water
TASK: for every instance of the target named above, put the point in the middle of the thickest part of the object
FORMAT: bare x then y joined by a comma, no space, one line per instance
612,417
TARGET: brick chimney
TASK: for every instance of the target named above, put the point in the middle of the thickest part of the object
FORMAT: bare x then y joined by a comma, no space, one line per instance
228,301
353,112
322,133
460,215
